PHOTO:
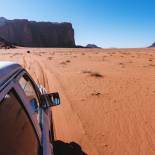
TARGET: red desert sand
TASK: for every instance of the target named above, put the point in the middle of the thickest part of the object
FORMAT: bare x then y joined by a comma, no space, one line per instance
108,95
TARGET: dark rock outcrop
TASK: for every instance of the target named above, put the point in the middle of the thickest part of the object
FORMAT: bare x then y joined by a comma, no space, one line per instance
79,46
37,34
153,45
87,46
92,46
5,44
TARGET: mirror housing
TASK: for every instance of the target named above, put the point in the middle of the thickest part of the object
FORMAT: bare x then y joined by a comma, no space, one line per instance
54,99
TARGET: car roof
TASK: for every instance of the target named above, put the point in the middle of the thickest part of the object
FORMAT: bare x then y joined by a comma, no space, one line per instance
7,70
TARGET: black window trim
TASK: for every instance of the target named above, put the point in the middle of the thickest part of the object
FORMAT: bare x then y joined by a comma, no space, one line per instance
10,80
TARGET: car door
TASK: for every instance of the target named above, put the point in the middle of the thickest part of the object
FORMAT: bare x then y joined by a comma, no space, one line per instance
32,97
18,135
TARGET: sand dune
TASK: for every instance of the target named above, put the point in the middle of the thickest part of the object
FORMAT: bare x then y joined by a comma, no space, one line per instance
108,96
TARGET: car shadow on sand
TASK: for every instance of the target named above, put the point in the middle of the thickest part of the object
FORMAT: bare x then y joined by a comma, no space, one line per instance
62,148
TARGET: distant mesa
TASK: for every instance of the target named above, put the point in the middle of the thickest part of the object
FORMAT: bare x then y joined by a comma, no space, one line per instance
92,46
37,34
153,45
5,44
88,46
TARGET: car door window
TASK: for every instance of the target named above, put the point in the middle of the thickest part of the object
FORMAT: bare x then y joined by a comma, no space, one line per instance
28,88
17,134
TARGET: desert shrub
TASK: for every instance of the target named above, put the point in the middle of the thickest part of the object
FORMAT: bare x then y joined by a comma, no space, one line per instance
95,74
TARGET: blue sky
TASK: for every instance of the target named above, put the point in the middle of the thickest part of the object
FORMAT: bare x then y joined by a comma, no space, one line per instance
107,23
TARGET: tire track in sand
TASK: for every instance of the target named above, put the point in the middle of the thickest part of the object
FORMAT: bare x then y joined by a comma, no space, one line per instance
66,120
67,123
36,70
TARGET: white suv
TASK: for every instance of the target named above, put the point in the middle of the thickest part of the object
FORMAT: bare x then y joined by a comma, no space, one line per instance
26,126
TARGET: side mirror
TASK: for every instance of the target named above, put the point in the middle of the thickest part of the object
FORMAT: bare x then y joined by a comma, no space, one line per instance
34,105
54,99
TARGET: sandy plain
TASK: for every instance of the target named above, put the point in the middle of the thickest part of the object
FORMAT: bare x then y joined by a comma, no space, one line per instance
107,95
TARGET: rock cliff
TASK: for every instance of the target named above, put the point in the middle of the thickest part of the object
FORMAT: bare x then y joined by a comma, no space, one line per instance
37,34
5,44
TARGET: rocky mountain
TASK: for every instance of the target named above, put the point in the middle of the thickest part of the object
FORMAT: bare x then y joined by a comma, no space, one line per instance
37,34
92,46
153,45
5,44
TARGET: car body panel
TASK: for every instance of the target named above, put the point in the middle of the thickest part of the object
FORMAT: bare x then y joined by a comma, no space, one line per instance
10,74
7,70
